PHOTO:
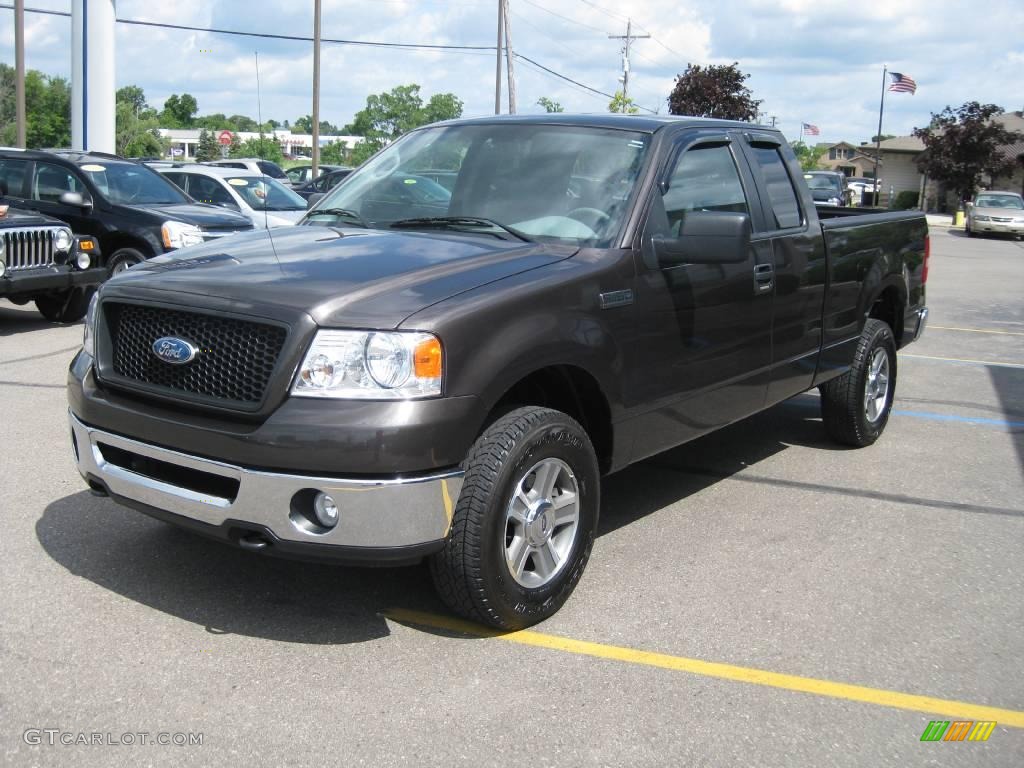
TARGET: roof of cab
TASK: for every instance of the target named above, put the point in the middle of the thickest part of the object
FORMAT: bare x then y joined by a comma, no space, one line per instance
642,123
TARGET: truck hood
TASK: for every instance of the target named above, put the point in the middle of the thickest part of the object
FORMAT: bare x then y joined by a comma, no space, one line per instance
340,277
206,216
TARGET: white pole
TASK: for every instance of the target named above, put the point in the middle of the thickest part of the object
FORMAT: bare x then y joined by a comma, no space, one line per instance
92,75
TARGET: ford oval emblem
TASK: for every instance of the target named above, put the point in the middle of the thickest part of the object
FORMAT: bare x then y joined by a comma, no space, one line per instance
174,350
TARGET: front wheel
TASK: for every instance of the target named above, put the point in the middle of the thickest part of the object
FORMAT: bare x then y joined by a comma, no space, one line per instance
65,306
855,406
124,258
524,525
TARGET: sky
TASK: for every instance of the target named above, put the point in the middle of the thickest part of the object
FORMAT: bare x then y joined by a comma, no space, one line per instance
810,61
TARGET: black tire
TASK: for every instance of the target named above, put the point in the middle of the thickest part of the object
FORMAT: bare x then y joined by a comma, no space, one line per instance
124,258
65,307
844,409
471,573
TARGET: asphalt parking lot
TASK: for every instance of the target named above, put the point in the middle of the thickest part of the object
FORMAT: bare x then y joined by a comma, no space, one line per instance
757,598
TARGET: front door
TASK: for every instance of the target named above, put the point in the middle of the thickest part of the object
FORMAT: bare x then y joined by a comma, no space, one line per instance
50,181
705,351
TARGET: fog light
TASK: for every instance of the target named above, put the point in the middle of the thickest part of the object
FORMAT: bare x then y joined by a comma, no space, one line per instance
83,260
326,510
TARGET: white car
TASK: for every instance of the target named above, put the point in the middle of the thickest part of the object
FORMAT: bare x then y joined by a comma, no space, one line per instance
268,167
265,201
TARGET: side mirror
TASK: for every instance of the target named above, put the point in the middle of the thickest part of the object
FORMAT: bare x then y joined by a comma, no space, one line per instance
313,199
706,237
76,199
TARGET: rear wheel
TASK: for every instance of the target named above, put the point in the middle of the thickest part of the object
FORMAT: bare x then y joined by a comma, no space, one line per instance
525,521
66,306
124,258
855,407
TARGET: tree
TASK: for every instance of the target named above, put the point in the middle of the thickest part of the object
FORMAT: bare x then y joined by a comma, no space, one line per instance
716,90
963,144
208,148
549,105
388,115
623,104
305,125
136,136
47,109
881,137
243,123
807,155
133,96
179,111
264,147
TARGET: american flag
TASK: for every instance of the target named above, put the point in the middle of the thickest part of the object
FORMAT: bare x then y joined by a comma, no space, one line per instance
902,83
811,130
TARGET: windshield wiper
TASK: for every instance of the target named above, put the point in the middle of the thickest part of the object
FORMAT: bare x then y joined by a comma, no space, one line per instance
457,222
342,212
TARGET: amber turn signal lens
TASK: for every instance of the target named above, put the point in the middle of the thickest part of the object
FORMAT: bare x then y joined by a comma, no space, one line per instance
427,359
86,245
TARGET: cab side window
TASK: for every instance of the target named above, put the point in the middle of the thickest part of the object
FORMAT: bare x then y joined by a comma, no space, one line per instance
705,178
12,177
51,181
781,194
207,190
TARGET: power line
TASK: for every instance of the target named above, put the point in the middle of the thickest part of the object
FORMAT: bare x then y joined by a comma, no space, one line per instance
468,49
564,18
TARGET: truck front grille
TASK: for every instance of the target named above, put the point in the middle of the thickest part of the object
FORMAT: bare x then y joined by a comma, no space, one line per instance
232,367
29,248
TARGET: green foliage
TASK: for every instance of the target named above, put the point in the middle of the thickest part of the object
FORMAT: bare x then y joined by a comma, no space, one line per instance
133,96
179,111
208,147
334,153
305,125
47,109
264,147
904,201
808,156
623,104
717,90
442,106
963,144
135,136
549,105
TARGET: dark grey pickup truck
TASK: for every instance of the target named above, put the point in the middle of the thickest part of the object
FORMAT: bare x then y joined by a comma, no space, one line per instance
446,371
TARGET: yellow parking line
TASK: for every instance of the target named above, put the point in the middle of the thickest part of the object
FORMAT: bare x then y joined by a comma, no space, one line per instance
963,360
860,693
973,330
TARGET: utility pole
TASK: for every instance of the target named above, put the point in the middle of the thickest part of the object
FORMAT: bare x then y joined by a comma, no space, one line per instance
19,69
316,87
629,37
497,68
509,57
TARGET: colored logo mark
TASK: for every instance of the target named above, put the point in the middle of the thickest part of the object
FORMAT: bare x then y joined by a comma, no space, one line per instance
958,730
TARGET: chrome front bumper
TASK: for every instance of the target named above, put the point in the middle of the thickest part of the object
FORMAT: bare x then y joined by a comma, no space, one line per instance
381,514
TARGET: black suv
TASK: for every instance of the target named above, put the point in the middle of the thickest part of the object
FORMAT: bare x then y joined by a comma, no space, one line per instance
132,210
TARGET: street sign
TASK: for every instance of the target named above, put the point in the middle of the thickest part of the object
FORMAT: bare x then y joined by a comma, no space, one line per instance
224,137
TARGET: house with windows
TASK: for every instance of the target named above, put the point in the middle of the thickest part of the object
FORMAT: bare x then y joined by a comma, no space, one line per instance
848,159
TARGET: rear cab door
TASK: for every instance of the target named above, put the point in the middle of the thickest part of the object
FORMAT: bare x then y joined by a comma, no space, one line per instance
792,239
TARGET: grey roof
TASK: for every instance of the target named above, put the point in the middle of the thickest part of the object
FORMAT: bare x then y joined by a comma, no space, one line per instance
643,123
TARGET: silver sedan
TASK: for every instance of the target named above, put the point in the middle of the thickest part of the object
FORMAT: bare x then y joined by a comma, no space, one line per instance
996,213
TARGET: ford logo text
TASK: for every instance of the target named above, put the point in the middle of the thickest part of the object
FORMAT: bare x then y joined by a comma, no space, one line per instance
174,351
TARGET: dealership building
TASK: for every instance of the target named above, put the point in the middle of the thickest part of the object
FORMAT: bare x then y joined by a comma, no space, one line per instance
185,141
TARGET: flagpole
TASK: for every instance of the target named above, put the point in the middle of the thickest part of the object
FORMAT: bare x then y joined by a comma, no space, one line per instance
878,137
801,139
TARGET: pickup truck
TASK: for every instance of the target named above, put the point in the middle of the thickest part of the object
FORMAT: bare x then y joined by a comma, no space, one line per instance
449,374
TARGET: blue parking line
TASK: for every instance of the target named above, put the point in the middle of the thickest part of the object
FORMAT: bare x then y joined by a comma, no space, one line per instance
962,419
809,401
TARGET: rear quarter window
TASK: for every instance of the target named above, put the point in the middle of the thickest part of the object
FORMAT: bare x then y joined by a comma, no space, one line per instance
782,195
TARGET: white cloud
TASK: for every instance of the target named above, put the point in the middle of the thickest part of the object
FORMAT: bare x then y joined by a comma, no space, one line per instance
817,61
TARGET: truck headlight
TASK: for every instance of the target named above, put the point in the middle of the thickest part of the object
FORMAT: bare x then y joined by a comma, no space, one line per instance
178,235
62,240
371,365
89,333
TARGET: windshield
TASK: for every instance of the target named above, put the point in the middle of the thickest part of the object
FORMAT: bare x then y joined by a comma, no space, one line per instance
548,182
131,184
264,193
1000,201
822,182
